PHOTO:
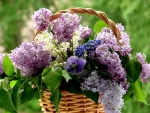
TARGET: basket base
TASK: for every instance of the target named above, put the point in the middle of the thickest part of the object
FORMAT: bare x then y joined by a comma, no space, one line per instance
70,103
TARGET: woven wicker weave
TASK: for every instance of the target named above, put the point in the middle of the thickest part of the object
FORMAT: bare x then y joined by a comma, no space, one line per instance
72,103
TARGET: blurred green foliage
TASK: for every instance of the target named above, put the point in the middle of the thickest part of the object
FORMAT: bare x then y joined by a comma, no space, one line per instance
133,14
12,14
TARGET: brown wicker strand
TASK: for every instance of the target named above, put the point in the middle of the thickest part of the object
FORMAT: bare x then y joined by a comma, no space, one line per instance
98,14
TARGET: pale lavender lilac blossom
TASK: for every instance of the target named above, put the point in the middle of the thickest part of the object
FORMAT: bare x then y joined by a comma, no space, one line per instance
145,73
64,26
75,65
113,62
1,61
110,92
84,31
106,36
31,58
42,18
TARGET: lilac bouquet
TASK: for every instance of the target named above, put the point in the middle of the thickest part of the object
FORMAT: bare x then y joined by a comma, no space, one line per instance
65,55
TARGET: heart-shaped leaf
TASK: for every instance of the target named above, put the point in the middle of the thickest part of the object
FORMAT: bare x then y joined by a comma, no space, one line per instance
139,94
8,66
52,78
134,69
66,75
98,26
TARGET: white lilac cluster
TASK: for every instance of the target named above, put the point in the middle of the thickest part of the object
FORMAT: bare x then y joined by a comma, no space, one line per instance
57,50
1,67
110,92
42,18
106,36
31,58
145,73
75,39
51,44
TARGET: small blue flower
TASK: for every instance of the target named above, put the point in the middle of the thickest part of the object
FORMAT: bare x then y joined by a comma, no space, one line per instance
80,51
75,65
91,45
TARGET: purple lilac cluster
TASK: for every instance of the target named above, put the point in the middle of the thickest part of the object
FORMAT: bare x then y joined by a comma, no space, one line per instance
91,83
30,58
89,47
64,26
106,36
113,62
85,31
42,18
1,61
145,73
110,92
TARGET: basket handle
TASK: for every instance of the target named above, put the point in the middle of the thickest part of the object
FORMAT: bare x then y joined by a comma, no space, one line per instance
98,14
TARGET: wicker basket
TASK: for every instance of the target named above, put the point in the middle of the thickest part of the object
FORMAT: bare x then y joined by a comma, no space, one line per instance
72,103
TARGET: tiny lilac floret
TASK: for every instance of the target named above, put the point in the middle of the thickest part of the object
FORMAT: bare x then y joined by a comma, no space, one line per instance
1,67
144,75
75,65
42,18
85,31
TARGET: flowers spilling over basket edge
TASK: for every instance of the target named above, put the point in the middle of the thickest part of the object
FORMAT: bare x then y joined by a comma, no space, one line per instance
66,56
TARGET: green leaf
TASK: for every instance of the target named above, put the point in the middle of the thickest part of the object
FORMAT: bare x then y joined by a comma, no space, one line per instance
5,84
134,69
6,99
66,75
127,96
18,86
12,83
52,78
73,86
91,95
91,38
72,89
8,66
55,99
36,93
98,26
27,94
18,72
139,94
6,109
10,111
17,92
16,99
124,60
